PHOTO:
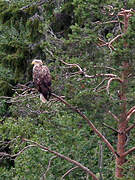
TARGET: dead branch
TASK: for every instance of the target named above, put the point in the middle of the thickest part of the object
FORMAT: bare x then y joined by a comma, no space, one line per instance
95,89
128,152
130,111
101,75
129,128
106,67
110,128
107,22
114,116
109,44
109,82
82,72
89,122
128,117
68,172
63,157
49,165
73,65
5,155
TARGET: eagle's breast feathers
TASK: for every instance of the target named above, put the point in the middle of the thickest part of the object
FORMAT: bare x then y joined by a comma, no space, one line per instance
42,80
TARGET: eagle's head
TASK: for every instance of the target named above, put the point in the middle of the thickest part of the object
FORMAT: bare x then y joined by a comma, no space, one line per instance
37,62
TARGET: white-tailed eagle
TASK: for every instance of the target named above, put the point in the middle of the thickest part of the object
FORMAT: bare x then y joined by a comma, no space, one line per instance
42,79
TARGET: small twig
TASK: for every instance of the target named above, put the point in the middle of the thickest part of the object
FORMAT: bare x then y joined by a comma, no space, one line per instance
8,142
109,44
73,65
107,22
114,116
17,154
110,128
109,82
129,128
68,172
95,89
115,38
49,164
105,67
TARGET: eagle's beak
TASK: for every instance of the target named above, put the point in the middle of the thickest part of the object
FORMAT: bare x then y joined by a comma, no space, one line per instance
33,62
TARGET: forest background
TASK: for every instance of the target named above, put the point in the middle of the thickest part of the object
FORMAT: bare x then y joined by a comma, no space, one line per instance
89,48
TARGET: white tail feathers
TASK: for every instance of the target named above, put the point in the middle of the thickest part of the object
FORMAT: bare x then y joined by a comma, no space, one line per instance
42,98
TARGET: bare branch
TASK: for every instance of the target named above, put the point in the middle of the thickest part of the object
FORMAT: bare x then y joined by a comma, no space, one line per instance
109,44
4,155
101,75
110,128
109,82
128,117
105,67
84,73
128,152
129,128
68,172
132,109
115,38
49,164
95,89
114,116
107,22
73,65
89,122
63,157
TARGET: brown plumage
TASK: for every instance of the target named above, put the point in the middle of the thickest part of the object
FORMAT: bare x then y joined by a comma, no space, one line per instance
42,79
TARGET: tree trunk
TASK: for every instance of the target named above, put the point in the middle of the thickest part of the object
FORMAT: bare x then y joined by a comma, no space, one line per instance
122,125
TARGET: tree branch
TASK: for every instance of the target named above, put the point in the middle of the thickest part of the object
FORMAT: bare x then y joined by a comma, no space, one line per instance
130,112
84,73
89,122
68,172
129,128
63,157
111,128
49,164
95,89
114,116
109,82
128,152
4,155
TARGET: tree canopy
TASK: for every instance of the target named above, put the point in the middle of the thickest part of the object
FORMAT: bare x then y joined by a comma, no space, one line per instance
89,48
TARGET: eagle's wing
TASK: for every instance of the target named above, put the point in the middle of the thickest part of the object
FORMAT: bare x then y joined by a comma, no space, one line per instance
42,80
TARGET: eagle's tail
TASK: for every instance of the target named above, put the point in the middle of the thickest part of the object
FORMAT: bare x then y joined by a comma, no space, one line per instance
45,95
42,98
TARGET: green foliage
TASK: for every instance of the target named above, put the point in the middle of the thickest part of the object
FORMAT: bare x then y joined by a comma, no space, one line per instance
37,31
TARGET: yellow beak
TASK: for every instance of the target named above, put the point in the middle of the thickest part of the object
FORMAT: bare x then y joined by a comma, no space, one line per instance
33,62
